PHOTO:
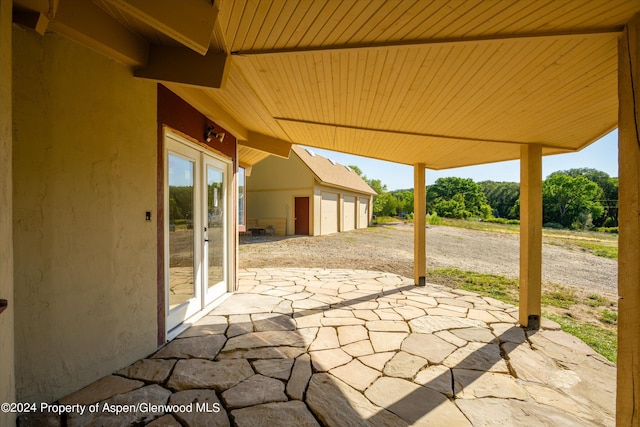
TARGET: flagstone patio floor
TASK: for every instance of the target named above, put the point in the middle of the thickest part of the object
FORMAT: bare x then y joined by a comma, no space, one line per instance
309,347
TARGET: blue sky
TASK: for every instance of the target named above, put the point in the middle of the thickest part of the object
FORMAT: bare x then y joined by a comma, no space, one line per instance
601,155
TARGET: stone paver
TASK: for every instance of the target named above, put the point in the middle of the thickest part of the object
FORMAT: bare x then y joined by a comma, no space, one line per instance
310,347
327,338
197,373
274,368
404,365
149,370
272,322
436,377
471,384
479,357
352,334
386,341
300,376
378,360
356,374
205,347
293,413
100,390
153,395
418,406
337,404
255,390
210,413
324,360
428,346
508,412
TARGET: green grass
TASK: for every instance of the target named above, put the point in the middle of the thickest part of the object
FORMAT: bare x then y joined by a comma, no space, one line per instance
385,220
602,340
498,287
481,226
600,244
605,251
598,301
609,317
559,296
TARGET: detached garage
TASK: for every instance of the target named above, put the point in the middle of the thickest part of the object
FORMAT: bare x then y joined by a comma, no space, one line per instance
306,194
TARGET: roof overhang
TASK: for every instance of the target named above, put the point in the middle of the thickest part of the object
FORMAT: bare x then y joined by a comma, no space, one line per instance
444,83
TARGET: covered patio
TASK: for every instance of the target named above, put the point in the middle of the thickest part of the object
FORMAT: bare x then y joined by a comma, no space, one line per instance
432,84
310,347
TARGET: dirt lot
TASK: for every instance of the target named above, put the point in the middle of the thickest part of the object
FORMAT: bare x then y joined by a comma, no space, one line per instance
390,249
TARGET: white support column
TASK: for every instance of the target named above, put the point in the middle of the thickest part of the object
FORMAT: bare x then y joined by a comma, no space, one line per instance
628,384
419,225
530,235
7,365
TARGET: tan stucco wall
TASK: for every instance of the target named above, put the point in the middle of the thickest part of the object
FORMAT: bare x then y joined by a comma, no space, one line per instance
276,173
7,379
272,187
275,182
84,175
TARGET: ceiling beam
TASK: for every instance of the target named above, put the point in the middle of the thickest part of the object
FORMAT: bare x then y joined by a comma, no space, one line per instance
429,135
612,31
275,146
189,22
199,99
87,24
36,21
180,65
46,7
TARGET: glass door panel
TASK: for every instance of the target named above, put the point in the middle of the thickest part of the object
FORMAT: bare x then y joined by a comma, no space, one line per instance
196,230
182,285
215,241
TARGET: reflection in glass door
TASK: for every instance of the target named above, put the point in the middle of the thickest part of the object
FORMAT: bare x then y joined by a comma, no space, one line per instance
196,230
181,236
215,241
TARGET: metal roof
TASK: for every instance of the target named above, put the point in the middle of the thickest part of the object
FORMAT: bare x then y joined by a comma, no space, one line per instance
331,173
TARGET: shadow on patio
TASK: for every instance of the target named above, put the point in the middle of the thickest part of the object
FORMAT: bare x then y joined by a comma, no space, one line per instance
351,347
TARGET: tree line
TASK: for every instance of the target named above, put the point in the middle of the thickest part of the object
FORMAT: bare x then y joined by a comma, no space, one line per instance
580,198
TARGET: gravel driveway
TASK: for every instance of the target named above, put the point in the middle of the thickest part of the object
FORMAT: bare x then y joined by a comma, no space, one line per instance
390,249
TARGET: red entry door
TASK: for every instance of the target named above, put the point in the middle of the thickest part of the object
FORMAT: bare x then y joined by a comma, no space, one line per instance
302,215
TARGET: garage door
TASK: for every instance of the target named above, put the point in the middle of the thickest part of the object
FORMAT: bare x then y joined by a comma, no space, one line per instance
349,213
363,213
329,213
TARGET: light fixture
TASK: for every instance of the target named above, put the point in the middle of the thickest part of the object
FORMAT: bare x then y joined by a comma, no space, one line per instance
209,134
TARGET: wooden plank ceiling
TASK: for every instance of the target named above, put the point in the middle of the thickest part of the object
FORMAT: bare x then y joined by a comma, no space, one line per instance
445,83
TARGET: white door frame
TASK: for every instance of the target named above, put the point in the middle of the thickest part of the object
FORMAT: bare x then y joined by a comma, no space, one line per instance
178,145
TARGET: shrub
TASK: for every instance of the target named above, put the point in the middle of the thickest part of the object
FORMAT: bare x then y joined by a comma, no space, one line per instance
613,230
502,221
552,225
384,220
434,219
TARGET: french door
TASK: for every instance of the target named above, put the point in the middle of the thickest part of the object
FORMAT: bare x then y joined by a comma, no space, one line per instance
197,227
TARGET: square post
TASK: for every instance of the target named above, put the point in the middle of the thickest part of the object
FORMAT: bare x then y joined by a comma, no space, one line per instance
628,378
419,225
530,235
